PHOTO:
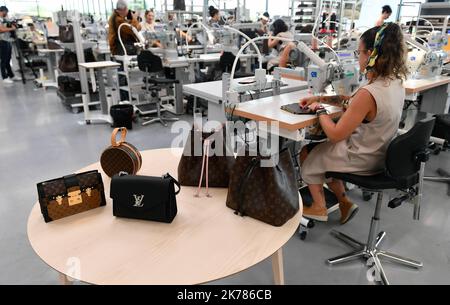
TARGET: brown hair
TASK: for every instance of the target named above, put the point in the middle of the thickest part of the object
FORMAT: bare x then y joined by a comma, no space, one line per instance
148,12
391,61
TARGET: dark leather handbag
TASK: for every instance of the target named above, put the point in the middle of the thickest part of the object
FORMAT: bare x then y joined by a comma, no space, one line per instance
51,45
68,62
145,198
120,156
198,165
269,194
89,55
71,195
67,84
66,33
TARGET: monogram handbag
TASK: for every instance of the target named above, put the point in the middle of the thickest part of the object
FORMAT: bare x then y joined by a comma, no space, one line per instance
67,84
51,45
120,156
145,198
71,195
66,33
198,166
268,194
68,62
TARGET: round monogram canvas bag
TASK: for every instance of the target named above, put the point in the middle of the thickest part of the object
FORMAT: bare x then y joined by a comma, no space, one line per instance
120,156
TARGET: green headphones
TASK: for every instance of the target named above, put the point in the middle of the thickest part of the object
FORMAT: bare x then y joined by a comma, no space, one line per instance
377,47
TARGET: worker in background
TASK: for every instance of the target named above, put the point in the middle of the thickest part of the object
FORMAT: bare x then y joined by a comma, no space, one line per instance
281,49
385,15
264,24
122,15
358,143
171,19
215,19
148,25
36,36
6,47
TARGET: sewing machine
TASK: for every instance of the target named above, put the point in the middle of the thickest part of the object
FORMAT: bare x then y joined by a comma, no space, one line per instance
228,39
343,75
167,36
426,60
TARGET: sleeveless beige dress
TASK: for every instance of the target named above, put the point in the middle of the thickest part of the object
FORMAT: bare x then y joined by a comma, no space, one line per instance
364,152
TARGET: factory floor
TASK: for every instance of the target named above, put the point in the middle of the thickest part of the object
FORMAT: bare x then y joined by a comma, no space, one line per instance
41,139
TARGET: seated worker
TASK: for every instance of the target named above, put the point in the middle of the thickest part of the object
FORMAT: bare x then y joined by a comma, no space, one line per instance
181,36
280,48
122,15
36,36
148,25
264,24
386,12
358,143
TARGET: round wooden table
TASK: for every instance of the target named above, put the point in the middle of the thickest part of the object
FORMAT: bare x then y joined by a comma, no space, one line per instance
205,242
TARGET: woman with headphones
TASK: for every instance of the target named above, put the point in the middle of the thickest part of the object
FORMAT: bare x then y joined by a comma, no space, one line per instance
358,142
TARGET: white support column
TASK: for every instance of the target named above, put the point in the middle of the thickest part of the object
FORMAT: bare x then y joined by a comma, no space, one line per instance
205,12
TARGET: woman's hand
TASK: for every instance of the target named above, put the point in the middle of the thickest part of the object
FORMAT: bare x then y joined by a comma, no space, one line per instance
308,101
315,106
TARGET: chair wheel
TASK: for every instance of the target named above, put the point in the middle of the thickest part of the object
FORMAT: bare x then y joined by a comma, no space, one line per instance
367,196
303,235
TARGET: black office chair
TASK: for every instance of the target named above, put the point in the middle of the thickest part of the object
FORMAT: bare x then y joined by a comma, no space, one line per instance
226,64
152,65
441,133
29,58
405,166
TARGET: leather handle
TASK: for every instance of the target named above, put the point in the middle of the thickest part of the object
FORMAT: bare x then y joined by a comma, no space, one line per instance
123,135
175,181
71,181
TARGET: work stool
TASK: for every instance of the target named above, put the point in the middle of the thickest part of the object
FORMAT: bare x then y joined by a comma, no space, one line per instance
152,66
404,172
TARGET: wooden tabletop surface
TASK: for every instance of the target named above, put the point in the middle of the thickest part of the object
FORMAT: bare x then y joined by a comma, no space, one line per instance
419,85
205,242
